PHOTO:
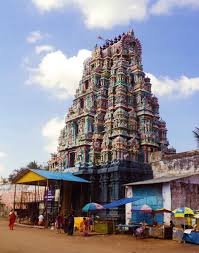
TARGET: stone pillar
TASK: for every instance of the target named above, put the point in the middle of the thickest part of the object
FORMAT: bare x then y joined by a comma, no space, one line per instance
101,189
145,154
105,188
94,191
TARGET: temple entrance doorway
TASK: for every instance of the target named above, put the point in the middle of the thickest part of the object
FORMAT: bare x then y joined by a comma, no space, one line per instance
72,159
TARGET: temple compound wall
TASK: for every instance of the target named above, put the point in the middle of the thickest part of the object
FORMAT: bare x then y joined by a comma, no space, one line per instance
24,194
174,164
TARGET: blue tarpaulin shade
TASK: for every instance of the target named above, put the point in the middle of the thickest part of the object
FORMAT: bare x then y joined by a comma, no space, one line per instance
65,176
29,176
92,207
120,202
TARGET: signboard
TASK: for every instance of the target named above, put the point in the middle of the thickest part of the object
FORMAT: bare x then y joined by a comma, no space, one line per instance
71,170
50,195
57,195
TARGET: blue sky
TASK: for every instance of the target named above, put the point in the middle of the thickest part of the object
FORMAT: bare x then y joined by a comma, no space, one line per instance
42,48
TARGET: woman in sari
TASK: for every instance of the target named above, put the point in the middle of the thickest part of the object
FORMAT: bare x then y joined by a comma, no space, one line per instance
12,218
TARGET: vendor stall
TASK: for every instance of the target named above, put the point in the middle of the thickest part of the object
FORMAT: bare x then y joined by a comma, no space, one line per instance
177,234
60,192
126,229
104,227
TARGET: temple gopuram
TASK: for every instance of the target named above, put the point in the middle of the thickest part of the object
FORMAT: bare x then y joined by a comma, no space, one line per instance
113,125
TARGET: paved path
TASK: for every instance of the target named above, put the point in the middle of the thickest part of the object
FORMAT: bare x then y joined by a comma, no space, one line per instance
32,240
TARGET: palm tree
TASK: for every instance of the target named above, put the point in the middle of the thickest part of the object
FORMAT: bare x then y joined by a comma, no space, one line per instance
196,135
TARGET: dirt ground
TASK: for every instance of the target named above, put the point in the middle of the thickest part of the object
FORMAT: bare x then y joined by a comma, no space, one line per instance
31,240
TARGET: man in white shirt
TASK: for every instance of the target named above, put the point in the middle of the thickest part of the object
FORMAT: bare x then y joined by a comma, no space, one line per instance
41,220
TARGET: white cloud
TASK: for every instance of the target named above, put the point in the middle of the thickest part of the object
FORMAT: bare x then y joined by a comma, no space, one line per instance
101,13
58,73
166,6
2,154
180,87
106,14
48,5
2,169
51,131
35,36
44,49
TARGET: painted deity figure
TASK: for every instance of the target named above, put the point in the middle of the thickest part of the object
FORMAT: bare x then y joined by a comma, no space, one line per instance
79,156
143,101
139,99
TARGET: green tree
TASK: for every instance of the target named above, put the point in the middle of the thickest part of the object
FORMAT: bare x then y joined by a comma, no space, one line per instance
14,174
33,165
196,135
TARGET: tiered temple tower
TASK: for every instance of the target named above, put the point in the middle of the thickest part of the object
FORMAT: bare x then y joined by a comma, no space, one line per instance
113,125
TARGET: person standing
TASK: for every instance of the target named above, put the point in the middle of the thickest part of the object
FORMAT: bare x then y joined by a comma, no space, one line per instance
65,224
41,220
12,218
59,223
91,223
85,226
71,223
172,225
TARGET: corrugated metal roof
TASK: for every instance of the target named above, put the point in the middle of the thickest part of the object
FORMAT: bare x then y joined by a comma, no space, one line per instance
30,176
160,180
66,176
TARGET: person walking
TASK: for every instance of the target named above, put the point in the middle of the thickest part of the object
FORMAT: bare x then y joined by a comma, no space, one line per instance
12,218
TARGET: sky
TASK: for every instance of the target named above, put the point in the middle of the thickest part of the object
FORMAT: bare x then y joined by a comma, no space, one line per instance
43,44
